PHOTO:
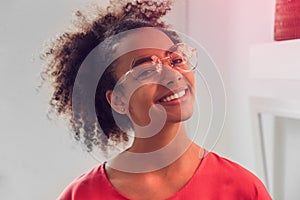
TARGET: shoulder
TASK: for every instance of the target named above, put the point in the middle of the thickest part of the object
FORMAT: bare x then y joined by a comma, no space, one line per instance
91,185
231,178
229,168
225,166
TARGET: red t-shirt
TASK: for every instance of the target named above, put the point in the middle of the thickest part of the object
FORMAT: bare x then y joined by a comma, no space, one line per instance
215,178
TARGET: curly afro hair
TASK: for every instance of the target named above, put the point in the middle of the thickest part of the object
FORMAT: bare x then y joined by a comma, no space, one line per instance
65,54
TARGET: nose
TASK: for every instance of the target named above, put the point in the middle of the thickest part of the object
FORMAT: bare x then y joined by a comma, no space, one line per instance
170,76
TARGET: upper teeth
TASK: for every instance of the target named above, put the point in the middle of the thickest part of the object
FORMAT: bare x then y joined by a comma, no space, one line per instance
174,96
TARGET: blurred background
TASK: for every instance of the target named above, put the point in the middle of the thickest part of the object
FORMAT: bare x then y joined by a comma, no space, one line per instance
39,158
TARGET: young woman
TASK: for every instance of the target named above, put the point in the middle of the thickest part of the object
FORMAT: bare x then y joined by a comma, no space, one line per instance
124,71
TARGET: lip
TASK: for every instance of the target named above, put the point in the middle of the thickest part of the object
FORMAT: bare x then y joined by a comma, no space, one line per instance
175,101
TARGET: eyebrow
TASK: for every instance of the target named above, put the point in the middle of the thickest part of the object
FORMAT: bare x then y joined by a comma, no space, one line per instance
140,61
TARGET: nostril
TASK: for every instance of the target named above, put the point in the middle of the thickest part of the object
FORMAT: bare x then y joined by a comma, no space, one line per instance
171,76
170,82
174,80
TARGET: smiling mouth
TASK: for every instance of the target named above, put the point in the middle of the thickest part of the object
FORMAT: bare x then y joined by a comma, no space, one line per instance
173,96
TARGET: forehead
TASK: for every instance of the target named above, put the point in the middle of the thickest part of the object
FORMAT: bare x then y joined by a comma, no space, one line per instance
143,38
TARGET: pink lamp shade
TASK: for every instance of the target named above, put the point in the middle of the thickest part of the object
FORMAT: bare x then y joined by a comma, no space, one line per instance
287,20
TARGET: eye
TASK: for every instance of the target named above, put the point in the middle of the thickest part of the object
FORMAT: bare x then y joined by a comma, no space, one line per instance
145,71
177,60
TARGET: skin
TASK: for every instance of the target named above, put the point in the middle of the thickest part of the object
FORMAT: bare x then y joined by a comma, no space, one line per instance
174,176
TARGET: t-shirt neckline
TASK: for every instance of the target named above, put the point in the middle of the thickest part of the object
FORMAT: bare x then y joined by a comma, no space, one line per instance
190,181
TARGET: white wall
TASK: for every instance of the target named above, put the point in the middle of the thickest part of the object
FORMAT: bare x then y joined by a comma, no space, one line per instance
37,157
227,29
233,31
208,23
287,164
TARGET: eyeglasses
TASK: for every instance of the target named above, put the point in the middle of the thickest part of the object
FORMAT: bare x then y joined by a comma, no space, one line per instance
180,57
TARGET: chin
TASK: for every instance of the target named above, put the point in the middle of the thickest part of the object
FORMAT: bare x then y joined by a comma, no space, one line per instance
184,118
181,117
187,116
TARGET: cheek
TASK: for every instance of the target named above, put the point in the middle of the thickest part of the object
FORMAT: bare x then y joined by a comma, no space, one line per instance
142,97
190,77
139,97
140,103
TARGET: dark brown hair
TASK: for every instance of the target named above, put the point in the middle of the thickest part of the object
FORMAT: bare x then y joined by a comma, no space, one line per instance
67,52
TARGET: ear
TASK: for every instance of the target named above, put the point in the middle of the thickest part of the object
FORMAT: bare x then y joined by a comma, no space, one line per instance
117,101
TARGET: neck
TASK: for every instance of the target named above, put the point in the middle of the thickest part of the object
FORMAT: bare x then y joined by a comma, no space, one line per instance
159,151
164,137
